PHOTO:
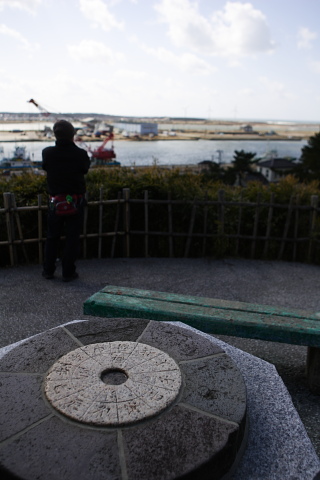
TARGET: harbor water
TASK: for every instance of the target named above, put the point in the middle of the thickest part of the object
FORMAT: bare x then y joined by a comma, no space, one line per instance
176,152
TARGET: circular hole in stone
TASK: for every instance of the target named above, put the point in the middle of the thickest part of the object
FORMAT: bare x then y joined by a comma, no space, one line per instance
114,376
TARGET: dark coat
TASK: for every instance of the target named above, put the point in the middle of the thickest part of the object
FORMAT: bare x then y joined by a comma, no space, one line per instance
66,165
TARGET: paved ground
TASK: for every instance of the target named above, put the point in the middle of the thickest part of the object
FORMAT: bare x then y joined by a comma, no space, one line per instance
29,304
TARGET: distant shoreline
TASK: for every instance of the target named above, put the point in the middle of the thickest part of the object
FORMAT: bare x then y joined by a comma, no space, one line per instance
13,137
173,130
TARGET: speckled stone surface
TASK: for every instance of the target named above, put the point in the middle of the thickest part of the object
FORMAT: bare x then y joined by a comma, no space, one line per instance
151,381
278,446
37,354
163,448
215,384
45,452
28,399
200,436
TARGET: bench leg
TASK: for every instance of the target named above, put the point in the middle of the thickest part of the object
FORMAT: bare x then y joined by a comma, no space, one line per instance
313,369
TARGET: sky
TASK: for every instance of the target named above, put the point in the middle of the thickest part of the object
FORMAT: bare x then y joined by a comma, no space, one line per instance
212,59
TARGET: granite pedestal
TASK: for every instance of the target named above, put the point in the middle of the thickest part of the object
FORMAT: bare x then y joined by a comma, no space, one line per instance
135,399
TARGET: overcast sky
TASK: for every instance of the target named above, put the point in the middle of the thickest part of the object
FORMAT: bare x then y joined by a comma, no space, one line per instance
207,58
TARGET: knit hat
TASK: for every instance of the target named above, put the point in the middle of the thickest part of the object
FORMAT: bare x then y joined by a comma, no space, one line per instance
63,130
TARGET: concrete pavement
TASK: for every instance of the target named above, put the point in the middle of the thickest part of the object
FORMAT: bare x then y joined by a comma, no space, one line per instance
30,304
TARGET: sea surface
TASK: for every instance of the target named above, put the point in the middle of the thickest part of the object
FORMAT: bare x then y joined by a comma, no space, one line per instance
177,152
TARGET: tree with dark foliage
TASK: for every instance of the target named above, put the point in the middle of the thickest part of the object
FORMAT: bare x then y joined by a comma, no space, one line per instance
241,165
309,166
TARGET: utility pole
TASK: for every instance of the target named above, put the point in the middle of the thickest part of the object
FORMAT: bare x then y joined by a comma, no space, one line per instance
219,152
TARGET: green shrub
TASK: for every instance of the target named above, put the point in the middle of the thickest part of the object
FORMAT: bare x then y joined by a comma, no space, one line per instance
184,188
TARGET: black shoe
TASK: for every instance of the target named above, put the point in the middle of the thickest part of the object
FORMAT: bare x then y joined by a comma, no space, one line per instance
74,276
47,276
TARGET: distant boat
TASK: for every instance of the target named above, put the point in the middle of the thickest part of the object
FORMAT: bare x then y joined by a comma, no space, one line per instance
19,162
104,162
101,156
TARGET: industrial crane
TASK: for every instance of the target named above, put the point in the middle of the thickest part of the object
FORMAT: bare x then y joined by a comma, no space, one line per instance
39,107
100,156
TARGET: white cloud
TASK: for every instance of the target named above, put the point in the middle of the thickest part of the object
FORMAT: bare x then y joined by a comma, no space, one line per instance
246,92
305,38
192,64
187,62
239,29
272,85
9,32
29,5
94,51
276,90
125,73
242,29
64,91
186,27
98,12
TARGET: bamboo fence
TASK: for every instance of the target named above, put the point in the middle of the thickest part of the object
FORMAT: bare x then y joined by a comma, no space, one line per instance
173,228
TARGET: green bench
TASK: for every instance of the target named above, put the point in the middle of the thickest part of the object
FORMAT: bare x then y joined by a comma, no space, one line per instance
215,316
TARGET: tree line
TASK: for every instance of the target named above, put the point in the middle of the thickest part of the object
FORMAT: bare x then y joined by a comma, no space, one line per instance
306,170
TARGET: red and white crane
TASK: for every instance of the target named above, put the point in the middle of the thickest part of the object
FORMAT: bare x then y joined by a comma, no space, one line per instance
100,156
39,107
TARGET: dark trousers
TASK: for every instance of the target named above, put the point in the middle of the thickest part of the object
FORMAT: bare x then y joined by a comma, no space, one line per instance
57,225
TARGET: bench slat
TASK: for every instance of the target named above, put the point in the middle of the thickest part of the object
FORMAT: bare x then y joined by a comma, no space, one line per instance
208,302
208,315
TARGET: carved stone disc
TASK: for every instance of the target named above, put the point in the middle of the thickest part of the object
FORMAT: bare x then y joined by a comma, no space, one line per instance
113,383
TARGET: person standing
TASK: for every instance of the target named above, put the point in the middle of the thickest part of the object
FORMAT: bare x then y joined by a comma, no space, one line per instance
65,165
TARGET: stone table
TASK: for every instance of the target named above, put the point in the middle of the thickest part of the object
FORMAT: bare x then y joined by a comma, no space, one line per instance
136,399
121,399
